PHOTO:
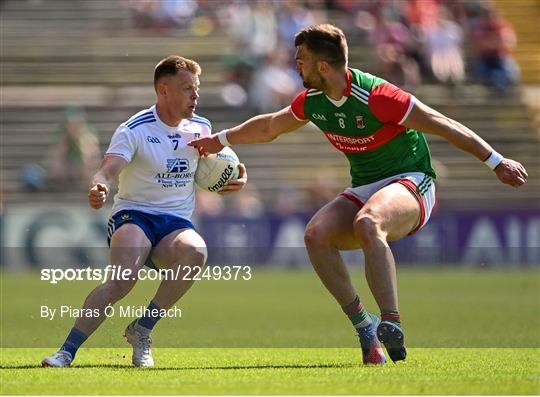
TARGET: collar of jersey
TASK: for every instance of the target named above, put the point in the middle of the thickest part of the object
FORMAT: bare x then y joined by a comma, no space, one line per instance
346,93
162,124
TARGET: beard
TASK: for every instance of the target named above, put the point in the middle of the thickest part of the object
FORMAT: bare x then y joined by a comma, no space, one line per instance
316,82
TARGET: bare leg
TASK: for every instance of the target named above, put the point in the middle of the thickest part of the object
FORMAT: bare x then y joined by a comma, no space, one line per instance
330,230
390,214
129,249
183,248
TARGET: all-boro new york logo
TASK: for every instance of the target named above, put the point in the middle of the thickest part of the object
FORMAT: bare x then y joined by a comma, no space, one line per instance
178,173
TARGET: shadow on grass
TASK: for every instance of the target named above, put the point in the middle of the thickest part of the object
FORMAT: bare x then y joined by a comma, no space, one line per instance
232,367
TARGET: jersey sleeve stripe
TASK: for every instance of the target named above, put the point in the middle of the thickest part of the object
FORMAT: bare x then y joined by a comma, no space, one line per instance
411,104
197,117
202,121
361,99
360,89
146,113
359,93
139,119
141,122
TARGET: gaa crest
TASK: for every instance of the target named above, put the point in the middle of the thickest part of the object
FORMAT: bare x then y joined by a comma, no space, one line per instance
360,122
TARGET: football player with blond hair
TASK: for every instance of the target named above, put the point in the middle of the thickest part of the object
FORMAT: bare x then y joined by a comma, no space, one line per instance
150,223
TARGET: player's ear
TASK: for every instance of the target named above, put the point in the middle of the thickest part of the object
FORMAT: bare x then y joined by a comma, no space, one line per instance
161,87
323,66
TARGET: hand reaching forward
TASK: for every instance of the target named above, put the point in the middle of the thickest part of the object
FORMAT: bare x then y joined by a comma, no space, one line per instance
206,146
511,173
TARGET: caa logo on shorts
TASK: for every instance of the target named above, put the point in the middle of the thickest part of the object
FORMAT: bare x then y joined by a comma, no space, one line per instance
177,165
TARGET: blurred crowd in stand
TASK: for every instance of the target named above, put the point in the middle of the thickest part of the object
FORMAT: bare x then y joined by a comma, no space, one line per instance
73,158
409,41
426,40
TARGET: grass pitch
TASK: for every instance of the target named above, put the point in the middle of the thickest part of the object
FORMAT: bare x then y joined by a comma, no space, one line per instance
321,371
468,332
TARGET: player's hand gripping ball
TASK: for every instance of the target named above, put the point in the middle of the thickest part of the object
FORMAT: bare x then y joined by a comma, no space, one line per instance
215,170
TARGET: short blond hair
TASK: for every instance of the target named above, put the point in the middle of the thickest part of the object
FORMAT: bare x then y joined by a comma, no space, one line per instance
170,65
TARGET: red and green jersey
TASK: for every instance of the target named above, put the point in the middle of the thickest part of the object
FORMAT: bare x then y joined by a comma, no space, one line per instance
365,124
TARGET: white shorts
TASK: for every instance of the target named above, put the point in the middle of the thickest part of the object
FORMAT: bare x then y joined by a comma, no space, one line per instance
420,184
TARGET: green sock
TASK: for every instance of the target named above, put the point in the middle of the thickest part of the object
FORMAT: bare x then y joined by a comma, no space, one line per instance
357,314
391,315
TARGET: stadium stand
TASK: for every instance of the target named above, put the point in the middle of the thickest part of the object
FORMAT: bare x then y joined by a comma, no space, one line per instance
87,52
524,16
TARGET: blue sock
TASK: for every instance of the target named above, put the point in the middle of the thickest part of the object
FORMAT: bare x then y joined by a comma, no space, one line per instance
74,340
151,316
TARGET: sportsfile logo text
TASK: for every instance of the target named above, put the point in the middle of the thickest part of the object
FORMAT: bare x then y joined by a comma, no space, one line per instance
119,273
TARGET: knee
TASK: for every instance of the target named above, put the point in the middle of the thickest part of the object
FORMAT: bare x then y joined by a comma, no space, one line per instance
316,235
367,229
191,255
198,255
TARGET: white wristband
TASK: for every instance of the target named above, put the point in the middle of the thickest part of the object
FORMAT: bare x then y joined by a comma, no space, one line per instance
494,160
222,137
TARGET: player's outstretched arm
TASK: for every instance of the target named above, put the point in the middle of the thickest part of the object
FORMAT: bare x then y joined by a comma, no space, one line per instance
428,120
258,129
101,182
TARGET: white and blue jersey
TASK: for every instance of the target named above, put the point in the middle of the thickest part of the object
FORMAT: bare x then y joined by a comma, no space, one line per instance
159,176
